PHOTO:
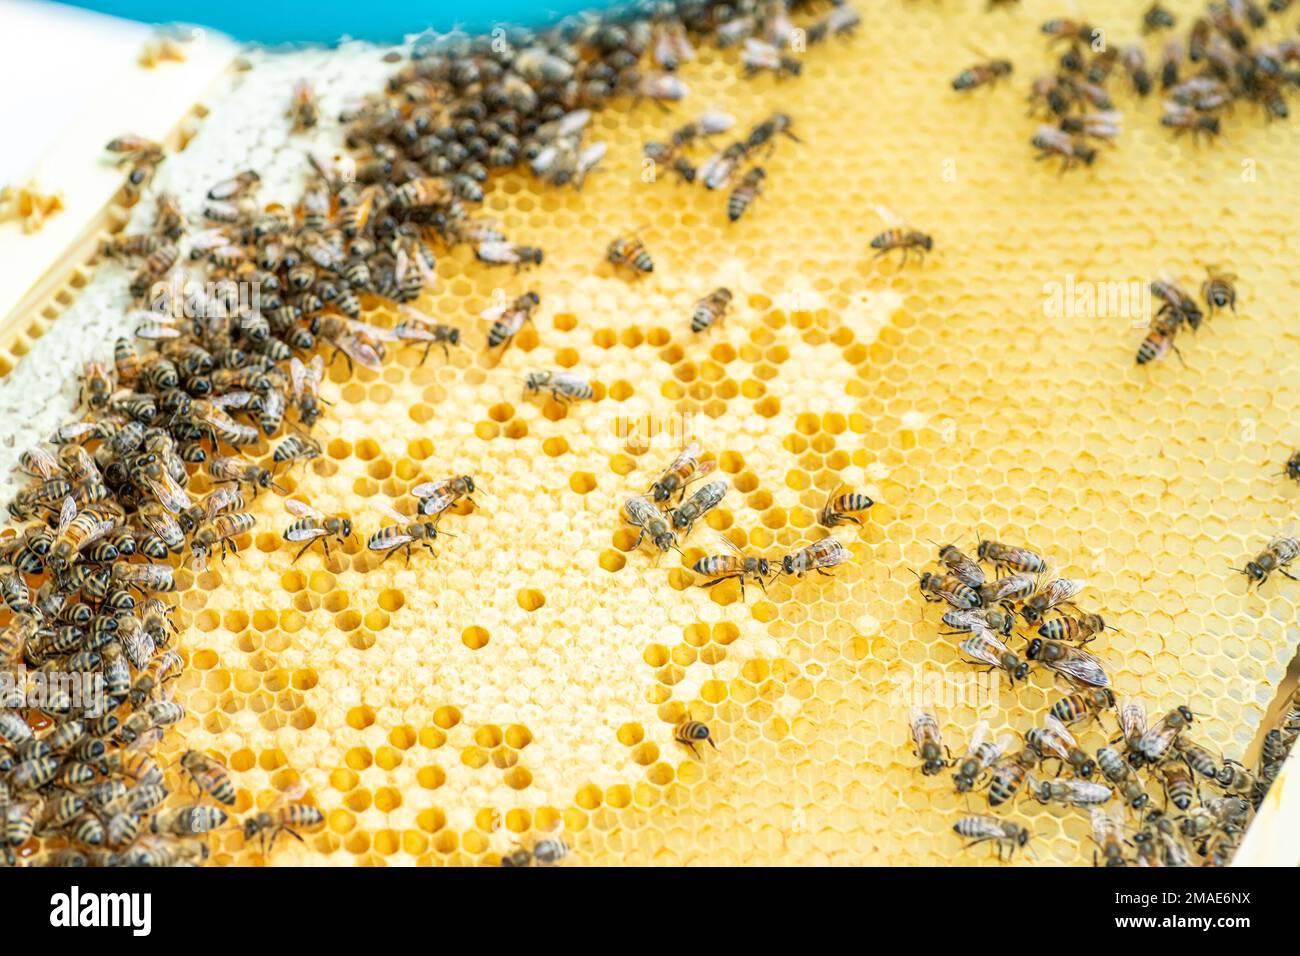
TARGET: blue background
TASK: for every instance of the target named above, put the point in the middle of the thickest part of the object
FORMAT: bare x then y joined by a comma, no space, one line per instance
326,21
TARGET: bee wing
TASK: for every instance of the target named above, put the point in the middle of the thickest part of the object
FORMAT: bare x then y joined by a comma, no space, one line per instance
984,647
712,122
297,375
895,221
496,312
97,532
360,352
497,252
431,489
383,335
66,514
44,463
1059,730
302,509
236,399
389,511
171,495
1133,716
303,534
162,524
977,736
1004,743
1084,668
219,500
726,543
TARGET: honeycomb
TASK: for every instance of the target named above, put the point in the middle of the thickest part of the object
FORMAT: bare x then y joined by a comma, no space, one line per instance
528,678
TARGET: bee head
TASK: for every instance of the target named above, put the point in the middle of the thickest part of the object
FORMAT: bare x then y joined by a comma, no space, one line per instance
1034,649
933,766
346,527
787,564
764,567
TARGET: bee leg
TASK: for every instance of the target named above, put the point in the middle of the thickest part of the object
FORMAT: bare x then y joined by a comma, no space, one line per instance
425,356
304,551
1288,574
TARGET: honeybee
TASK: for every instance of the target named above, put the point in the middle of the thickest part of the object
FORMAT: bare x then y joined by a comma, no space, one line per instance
1071,149
1156,18
721,166
1014,587
630,253
356,341
1069,661
1004,834
841,507
1073,30
644,515
236,186
431,334
38,462
818,556
745,192
982,74
929,749
1276,557
959,564
1054,740
1008,776
96,385
984,647
681,472
269,824
304,108
508,318
304,388
209,776
170,219
295,448
1103,125
188,821
563,386
1071,793
948,587
759,55
498,252
219,500
1160,339
1201,760
710,309
1079,630
1154,743
690,733
1108,834
75,532
223,530
980,755
1178,783
1116,770
417,194
1134,60
1182,119
312,525
437,496
1083,706
733,564
704,500
1056,592
18,820
1176,303
402,536
1219,290
908,240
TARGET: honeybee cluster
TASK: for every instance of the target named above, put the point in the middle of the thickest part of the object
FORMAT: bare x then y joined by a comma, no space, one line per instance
721,168
1207,801
1220,60
210,377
